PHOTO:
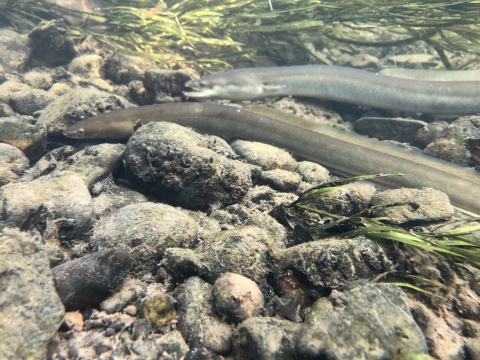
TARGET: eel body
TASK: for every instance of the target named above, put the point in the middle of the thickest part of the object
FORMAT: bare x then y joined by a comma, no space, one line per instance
335,149
343,84
433,75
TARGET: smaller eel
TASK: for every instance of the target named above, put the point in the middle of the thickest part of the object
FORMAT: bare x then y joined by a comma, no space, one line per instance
343,84
335,149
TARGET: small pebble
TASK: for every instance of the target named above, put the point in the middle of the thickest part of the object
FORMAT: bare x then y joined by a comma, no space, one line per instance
158,309
131,310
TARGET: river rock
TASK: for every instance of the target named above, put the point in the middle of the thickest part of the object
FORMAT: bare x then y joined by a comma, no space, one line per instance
397,129
14,49
87,281
166,84
30,101
182,167
146,230
113,197
429,133
173,343
25,134
31,311
13,164
62,198
197,321
38,79
281,180
8,88
312,173
123,69
360,320
48,163
130,291
266,338
266,156
88,66
5,110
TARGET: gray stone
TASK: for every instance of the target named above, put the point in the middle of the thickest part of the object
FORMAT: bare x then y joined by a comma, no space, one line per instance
77,105
173,343
237,297
312,172
5,110
64,198
397,129
130,291
197,321
178,165
281,180
30,101
87,66
113,198
25,134
48,163
265,339
85,282
123,69
166,84
266,156
424,205
30,309
13,164
147,349
429,133
146,229
38,79
360,320
8,88
14,50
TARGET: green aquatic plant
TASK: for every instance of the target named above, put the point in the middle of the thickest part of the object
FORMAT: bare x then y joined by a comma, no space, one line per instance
221,32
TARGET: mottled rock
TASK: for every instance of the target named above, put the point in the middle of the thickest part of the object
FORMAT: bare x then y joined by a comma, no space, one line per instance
360,320
451,143
13,164
173,343
87,281
166,84
113,198
364,61
77,105
146,229
62,198
312,173
265,339
158,309
30,309
281,180
429,133
38,79
14,49
180,166
123,69
425,205
8,88
49,162
329,263
25,134
266,156
397,129
59,89
237,297
5,110
130,291
197,321
88,66
51,44
30,101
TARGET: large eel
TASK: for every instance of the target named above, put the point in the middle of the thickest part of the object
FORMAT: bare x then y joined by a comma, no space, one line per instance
341,84
335,149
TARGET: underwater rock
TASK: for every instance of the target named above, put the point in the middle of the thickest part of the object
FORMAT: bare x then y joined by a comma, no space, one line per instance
49,162
51,44
452,143
237,297
13,164
266,338
62,200
166,84
123,69
27,102
77,105
5,110
197,321
266,156
14,49
312,173
396,129
31,311
146,230
173,343
88,66
113,197
25,134
8,88
130,291
87,281
38,79
281,180
424,205
184,168
360,320
158,309
429,133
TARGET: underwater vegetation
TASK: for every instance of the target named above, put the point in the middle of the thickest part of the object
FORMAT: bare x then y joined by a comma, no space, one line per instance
224,32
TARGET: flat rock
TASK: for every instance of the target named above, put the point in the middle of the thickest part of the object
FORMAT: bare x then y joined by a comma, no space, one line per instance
424,205
25,134
397,129
312,173
360,320
266,156
281,180
197,321
146,230
87,281
31,311
184,168
30,101
266,338
63,199
13,164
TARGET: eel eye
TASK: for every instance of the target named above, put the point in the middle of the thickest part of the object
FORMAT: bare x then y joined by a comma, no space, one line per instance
81,131
202,83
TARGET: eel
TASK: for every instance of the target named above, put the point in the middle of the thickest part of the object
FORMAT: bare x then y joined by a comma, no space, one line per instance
335,149
433,75
344,84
